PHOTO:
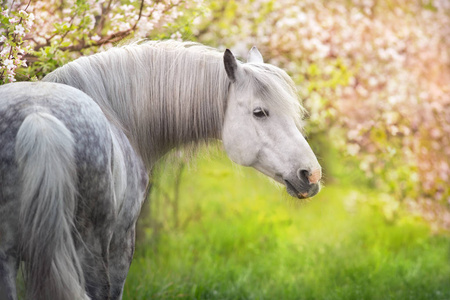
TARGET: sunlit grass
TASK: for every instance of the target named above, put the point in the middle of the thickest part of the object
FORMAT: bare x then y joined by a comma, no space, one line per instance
239,237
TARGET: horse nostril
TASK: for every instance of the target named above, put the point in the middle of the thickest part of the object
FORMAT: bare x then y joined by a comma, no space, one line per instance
303,175
310,177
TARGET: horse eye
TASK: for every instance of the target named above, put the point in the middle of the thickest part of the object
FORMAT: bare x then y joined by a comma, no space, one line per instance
260,112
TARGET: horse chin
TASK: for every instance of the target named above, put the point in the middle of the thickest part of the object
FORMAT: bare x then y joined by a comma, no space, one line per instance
294,193
297,193
290,188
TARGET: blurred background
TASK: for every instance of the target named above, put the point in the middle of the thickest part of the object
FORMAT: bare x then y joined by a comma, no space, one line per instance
375,78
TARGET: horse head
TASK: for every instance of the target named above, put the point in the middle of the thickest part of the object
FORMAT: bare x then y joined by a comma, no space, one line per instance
262,125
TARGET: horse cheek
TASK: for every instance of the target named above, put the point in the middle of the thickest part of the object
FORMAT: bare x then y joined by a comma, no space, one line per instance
241,144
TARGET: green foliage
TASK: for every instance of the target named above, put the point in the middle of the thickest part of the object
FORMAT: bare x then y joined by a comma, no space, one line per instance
242,238
63,31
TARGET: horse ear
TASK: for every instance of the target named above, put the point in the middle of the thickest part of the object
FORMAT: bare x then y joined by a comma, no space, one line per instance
254,56
231,65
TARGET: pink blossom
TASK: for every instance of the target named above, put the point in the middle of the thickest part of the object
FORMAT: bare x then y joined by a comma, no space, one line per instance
9,64
19,30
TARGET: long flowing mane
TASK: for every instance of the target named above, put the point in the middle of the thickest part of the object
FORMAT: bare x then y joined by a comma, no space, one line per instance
167,93
144,85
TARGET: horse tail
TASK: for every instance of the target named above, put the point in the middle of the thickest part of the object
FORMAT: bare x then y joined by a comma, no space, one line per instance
45,156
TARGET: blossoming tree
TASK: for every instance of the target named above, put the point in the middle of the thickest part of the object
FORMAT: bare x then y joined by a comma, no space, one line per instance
46,34
375,76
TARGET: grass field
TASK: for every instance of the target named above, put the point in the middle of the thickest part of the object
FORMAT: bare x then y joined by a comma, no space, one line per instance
238,236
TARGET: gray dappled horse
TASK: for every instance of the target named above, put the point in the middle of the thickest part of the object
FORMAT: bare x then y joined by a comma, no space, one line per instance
75,151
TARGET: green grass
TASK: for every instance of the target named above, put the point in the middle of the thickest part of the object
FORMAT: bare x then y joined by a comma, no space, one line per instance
240,237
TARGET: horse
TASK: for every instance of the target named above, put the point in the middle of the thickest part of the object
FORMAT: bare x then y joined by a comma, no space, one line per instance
77,148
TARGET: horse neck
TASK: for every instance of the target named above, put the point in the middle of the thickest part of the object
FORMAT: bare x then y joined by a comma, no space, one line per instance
182,103
161,99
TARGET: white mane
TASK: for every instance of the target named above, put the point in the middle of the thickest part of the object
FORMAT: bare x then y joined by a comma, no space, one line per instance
168,93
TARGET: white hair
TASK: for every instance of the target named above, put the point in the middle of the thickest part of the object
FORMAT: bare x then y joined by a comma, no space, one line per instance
167,93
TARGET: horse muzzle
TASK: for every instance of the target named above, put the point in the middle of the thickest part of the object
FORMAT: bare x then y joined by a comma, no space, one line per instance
305,185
